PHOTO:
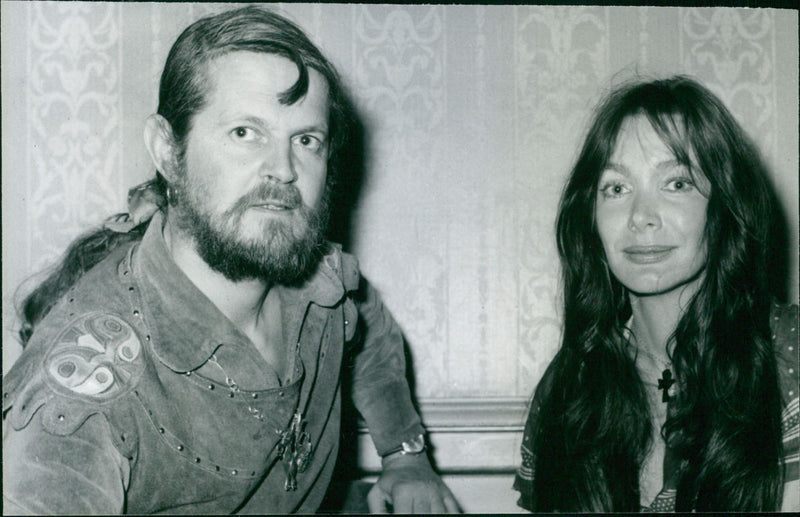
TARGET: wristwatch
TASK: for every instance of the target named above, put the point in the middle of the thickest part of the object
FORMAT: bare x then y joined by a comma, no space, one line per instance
414,446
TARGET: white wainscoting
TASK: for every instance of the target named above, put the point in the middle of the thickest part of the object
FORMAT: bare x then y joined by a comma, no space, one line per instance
475,445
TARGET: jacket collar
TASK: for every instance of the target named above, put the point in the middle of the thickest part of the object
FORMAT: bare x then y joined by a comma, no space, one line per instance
189,326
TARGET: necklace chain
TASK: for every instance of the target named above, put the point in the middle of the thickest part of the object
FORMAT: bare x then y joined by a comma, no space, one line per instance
665,382
234,388
294,445
663,363
664,366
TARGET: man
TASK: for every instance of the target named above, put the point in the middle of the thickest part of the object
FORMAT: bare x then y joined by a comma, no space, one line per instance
197,366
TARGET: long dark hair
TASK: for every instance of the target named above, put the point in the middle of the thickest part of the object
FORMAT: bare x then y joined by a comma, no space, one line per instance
183,92
594,426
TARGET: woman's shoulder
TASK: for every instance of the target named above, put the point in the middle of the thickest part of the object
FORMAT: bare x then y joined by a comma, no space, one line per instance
783,326
782,316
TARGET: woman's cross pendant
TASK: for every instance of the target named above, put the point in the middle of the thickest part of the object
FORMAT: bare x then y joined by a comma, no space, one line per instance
664,383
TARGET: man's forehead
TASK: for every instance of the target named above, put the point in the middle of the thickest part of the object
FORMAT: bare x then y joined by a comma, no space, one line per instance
262,74
233,65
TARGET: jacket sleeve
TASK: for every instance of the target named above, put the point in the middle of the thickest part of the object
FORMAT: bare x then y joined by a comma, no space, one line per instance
68,438
380,388
81,474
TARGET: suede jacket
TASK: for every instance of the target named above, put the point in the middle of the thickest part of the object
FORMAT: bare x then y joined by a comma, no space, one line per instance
137,395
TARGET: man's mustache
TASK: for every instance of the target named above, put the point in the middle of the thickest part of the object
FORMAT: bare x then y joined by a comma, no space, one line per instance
287,196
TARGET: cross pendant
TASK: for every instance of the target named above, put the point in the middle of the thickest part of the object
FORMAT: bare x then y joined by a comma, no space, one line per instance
664,383
294,449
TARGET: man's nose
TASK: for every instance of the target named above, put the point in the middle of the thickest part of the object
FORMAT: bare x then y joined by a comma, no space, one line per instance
645,213
278,164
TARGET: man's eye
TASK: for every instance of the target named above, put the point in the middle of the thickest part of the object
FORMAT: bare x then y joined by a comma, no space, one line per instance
309,142
243,133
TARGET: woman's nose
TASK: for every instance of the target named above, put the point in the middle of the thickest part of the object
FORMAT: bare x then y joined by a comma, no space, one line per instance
644,213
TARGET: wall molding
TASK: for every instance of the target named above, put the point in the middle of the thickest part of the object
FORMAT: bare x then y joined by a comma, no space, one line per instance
466,435
474,414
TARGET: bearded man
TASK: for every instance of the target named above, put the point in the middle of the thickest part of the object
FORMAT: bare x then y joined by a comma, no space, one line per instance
187,358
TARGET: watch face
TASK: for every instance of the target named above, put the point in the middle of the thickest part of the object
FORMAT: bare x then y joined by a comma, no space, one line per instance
415,446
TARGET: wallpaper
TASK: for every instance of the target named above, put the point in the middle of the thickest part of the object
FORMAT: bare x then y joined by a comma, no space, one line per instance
471,117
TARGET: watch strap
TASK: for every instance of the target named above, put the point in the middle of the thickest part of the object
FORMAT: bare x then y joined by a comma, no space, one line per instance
414,446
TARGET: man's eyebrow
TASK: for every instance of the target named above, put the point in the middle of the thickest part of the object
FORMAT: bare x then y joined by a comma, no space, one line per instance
235,117
313,128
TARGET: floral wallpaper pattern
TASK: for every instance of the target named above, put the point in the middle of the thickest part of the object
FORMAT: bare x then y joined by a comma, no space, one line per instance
472,116
74,108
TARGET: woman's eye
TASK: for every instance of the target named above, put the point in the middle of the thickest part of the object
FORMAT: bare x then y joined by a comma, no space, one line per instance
612,190
680,185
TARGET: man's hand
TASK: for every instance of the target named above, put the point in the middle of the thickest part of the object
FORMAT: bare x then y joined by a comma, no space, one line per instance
408,484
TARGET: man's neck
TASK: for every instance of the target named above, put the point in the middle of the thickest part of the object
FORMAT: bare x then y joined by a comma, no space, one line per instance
241,301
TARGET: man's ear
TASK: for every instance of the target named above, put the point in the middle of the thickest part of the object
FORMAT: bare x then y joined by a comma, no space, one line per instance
161,145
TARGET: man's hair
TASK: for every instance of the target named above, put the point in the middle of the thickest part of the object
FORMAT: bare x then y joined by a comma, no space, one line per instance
594,428
183,92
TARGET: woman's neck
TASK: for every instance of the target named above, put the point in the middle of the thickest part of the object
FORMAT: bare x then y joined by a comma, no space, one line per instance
655,318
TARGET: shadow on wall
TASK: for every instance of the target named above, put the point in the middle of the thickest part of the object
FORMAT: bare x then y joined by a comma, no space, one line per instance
346,494
350,174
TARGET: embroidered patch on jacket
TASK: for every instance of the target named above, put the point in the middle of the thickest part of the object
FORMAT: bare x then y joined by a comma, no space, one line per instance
97,355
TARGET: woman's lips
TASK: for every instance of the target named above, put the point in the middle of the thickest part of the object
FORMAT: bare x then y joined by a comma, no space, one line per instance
647,254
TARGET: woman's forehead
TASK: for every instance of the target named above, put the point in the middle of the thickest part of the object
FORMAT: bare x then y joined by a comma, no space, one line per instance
663,141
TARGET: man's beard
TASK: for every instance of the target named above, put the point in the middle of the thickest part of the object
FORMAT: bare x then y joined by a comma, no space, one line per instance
286,253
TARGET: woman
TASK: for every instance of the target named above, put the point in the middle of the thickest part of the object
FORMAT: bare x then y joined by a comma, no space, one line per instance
675,366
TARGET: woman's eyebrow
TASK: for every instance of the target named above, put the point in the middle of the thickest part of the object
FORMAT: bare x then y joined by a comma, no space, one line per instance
670,164
617,167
